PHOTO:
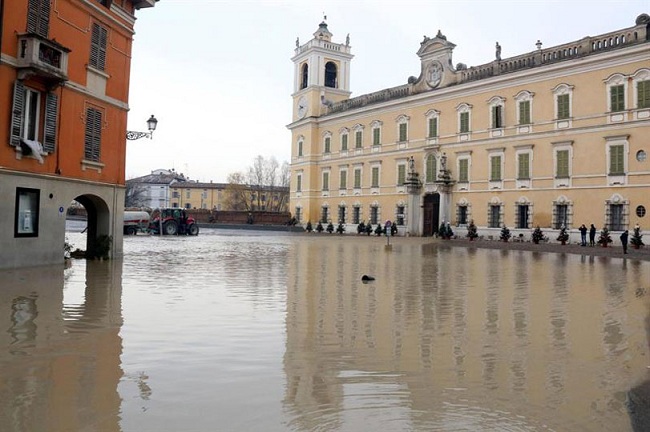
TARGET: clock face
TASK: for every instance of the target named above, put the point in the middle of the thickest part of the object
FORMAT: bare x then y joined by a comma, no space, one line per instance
302,107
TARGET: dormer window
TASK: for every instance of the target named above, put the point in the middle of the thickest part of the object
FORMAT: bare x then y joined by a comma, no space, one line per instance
330,74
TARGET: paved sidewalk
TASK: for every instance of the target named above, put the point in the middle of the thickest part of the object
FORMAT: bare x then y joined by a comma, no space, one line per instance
614,250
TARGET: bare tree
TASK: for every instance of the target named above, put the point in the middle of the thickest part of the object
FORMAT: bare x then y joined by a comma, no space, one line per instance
237,196
264,186
135,195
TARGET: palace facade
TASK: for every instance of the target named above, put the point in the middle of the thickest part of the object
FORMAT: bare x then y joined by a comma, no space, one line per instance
553,137
64,77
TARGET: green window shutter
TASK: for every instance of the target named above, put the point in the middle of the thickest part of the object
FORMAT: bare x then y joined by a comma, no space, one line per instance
524,112
326,181
431,169
562,169
344,142
524,166
357,178
98,41
51,112
402,131
401,175
299,148
433,127
497,121
376,136
464,122
343,179
327,145
495,168
358,139
617,98
17,113
299,183
463,170
93,135
563,111
375,177
616,159
643,94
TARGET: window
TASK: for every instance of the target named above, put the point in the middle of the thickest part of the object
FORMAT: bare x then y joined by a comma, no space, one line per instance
300,148
26,115
375,177
641,156
344,142
497,116
38,17
376,136
643,94
324,216
304,76
175,194
356,215
299,183
561,216
522,216
342,214
298,214
401,174
357,178
374,214
494,216
616,220
343,179
524,112
26,212
327,146
431,169
640,211
188,194
563,111
463,170
358,139
495,168
464,122
616,159
326,181
330,74
562,164
617,98
433,127
98,47
462,215
93,135
399,215
403,132
523,166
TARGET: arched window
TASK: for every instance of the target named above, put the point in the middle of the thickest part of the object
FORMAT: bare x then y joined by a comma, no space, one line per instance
330,74
305,73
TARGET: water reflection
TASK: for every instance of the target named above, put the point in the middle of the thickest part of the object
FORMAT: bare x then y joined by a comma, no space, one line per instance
61,364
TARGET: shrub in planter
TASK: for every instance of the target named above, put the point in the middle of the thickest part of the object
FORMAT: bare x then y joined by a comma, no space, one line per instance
604,238
538,235
505,234
472,232
563,237
635,240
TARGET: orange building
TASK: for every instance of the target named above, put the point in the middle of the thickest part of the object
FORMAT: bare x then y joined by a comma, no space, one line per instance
64,85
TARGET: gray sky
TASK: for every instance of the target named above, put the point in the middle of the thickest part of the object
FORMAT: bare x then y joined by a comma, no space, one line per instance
218,76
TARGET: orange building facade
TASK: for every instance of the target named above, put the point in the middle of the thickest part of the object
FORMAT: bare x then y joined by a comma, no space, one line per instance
64,85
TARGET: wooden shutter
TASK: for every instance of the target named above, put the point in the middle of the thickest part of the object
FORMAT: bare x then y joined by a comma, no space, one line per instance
433,127
496,116
431,169
464,122
375,177
617,98
524,166
401,175
524,112
299,183
357,178
17,112
563,111
51,114
343,176
98,41
402,132
38,17
326,181
327,145
643,94
375,136
616,161
344,142
463,170
495,168
92,144
358,138
562,157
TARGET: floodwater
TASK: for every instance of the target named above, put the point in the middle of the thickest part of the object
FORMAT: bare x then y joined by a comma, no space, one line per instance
258,331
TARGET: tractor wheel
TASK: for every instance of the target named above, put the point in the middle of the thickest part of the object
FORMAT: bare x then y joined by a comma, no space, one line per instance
170,228
130,230
193,230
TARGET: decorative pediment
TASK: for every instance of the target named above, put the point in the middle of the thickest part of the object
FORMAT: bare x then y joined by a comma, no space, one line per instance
432,46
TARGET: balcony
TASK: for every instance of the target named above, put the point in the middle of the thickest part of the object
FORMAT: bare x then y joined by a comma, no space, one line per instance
42,58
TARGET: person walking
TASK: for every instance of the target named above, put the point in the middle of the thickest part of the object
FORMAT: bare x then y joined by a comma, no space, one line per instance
592,235
624,237
583,235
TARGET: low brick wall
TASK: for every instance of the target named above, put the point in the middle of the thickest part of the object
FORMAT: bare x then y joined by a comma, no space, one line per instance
239,217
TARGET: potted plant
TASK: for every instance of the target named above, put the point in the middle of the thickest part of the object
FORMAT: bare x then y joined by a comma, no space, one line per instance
472,231
563,237
538,235
505,234
635,240
604,238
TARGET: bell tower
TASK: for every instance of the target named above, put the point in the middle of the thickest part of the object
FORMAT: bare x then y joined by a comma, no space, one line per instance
321,73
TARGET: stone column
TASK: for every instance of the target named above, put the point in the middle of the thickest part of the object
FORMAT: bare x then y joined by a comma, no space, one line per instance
413,187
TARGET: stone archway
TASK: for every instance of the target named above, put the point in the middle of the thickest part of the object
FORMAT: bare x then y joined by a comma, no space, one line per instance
431,214
99,221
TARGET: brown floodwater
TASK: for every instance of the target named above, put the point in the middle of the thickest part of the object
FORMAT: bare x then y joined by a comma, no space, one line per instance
257,331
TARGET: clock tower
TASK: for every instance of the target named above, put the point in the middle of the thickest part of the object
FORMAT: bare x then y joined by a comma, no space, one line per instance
321,74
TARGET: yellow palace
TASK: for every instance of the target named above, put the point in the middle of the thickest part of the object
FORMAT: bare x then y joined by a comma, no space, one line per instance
553,137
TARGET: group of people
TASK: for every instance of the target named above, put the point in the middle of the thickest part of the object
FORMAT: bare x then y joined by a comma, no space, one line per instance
583,235
388,228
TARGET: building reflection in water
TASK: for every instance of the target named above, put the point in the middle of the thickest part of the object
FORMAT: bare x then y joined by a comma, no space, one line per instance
60,353
451,338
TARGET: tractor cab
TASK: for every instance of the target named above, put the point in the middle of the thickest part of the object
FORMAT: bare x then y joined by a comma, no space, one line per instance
173,221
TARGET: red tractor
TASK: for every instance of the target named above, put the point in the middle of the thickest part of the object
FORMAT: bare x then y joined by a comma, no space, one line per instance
174,221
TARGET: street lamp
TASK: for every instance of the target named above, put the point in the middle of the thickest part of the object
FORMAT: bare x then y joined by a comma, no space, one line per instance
151,125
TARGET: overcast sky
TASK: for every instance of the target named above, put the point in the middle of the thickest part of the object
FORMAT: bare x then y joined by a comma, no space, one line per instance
218,74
